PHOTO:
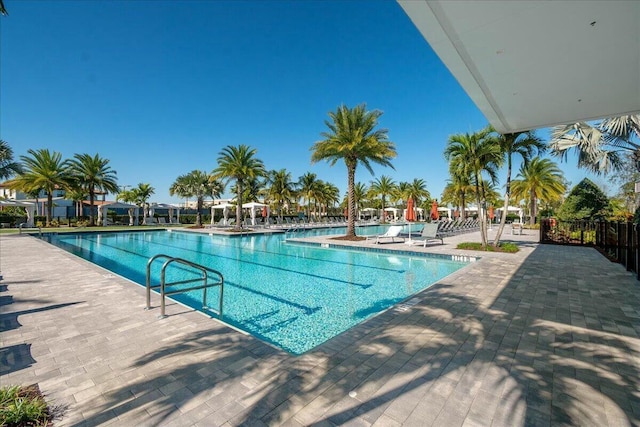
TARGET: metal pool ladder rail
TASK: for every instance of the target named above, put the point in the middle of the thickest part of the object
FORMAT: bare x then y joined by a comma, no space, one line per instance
205,279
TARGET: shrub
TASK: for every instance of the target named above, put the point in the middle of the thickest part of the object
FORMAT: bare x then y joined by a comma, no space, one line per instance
476,246
23,406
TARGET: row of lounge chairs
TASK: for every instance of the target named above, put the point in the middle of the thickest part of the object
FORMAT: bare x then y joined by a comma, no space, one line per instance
430,231
458,226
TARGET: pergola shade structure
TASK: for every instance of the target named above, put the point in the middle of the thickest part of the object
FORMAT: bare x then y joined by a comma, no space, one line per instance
104,207
536,64
254,206
29,208
225,212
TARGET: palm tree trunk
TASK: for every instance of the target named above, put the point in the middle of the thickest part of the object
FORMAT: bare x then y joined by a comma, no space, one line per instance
483,224
351,220
532,220
49,208
92,197
198,216
464,202
507,197
238,226
383,214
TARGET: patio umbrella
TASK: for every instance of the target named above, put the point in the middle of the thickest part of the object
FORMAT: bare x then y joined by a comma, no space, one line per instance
491,214
264,211
434,210
411,213
410,216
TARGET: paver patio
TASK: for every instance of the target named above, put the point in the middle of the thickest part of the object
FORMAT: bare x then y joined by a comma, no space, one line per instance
548,336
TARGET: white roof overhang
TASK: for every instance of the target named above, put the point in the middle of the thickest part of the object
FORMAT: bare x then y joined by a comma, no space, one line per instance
535,64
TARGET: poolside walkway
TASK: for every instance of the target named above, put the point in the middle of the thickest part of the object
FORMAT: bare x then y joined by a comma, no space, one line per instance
547,336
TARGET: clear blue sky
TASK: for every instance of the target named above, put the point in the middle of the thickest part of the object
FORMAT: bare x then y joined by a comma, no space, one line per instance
159,88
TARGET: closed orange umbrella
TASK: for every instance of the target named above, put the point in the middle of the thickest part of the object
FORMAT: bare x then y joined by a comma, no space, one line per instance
434,210
264,211
411,214
491,214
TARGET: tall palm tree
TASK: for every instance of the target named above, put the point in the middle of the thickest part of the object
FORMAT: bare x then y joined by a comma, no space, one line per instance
280,189
526,145
383,187
239,164
329,194
456,191
475,155
143,193
42,170
418,191
253,189
359,195
93,173
402,192
198,184
8,167
353,137
539,179
308,189
599,146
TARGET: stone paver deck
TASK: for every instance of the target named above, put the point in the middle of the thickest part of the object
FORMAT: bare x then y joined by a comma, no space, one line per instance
548,336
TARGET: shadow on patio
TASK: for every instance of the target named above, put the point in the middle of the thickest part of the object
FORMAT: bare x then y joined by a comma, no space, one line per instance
548,346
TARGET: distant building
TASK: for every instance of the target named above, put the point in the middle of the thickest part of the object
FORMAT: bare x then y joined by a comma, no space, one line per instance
62,207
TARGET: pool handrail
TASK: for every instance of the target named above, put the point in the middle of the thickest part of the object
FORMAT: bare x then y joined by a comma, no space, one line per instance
163,293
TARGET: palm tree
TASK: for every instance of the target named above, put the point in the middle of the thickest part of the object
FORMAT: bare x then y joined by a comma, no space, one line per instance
129,196
8,167
352,137
600,146
359,195
539,179
328,194
142,194
418,190
77,194
91,174
402,192
456,191
474,155
525,144
383,187
198,184
253,189
42,170
308,189
280,189
239,164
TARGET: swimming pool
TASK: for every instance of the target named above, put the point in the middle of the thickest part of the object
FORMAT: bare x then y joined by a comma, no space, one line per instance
291,295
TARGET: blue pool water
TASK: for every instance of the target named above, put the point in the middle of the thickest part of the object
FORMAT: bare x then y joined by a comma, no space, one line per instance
294,296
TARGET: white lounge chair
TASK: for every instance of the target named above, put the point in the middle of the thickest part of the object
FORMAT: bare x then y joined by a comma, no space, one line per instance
392,233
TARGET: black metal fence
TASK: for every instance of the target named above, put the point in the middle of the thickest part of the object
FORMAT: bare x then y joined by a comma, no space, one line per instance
618,241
